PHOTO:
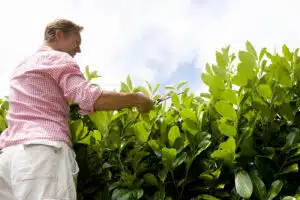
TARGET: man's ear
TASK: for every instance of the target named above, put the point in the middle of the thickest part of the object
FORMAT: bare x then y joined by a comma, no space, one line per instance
59,35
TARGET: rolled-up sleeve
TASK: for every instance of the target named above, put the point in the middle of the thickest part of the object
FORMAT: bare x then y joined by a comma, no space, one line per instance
75,87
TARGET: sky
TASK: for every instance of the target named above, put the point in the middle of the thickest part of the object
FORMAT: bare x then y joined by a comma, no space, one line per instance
161,41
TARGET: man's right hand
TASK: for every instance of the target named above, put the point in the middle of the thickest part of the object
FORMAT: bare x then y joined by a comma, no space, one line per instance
145,105
110,100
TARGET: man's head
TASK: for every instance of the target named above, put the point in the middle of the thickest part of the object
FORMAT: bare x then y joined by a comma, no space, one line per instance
63,35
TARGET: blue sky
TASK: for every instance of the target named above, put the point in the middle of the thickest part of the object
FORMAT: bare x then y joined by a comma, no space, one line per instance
161,41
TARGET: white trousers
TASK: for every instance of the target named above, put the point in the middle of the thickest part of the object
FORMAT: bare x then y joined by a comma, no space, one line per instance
38,170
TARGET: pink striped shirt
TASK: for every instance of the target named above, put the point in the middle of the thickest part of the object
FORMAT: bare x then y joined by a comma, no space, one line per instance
40,89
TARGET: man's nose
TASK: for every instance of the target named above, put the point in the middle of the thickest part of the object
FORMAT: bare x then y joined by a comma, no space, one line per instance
78,49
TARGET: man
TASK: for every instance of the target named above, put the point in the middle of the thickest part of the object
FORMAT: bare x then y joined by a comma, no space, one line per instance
37,160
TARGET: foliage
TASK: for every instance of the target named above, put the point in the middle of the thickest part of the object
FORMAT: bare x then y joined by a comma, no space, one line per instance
239,141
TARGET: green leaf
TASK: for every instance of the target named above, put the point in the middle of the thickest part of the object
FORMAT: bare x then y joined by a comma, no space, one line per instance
129,83
125,194
260,190
227,129
109,165
188,102
283,77
142,131
292,137
179,160
201,147
247,58
149,86
190,126
175,100
286,111
77,129
162,174
138,157
243,184
244,73
247,146
230,95
228,145
86,140
265,91
220,72
205,95
226,151
215,84
262,53
156,88
101,121
251,49
182,83
226,110
150,179
208,69
170,87
168,156
173,134
289,169
124,87
274,190
2,124
154,145
5,105
286,52
186,113
289,198
206,197
220,60
97,135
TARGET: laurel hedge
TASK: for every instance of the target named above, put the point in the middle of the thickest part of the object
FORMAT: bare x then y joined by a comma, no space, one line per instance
240,140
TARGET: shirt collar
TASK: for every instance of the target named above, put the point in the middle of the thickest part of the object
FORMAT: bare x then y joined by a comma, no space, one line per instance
44,47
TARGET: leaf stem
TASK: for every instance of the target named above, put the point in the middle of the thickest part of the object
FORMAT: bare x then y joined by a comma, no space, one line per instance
172,174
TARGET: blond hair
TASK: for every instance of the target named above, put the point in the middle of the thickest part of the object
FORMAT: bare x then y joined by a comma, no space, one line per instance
63,25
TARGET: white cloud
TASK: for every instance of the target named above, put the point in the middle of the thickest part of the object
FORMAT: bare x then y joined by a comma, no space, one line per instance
146,38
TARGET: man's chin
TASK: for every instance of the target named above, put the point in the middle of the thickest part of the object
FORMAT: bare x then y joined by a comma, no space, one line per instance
72,54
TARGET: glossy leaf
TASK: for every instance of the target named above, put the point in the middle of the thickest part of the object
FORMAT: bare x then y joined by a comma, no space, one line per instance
274,190
2,124
230,95
206,197
286,52
265,91
226,151
226,110
141,131
182,83
259,188
150,179
251,49
188,114
243,184
227,129
173,134
175,100
290,169
129,82
168,156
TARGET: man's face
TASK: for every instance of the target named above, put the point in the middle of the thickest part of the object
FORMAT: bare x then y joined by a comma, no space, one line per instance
69,43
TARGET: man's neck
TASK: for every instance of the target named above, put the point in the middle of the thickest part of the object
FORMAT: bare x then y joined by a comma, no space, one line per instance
50,45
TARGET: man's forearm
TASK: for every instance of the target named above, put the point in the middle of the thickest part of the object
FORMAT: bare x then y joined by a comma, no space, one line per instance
115,100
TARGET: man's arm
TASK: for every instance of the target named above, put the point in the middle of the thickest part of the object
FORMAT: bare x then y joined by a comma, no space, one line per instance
109,100
90,98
